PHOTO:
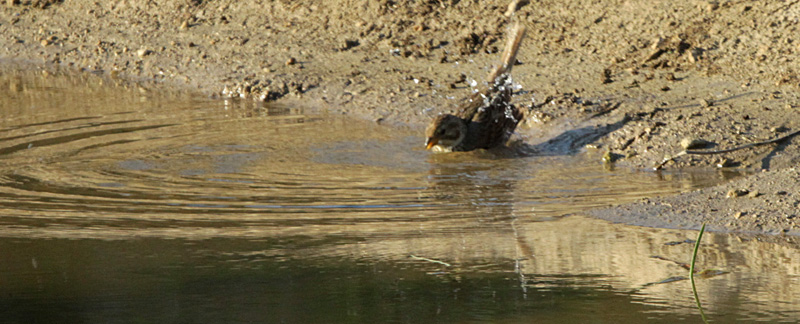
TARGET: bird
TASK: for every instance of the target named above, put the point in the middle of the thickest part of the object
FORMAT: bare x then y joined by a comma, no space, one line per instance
487,118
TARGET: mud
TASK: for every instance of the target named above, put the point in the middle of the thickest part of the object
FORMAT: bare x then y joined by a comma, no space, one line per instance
628,79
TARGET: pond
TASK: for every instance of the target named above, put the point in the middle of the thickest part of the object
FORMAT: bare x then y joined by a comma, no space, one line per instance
124,202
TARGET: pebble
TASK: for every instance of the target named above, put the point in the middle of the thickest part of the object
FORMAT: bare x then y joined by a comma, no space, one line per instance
350,43
690,143
143,52
737,193
605,78
609,157
291,61
724,163
753,194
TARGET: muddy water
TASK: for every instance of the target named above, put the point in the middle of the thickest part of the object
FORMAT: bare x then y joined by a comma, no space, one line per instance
121,203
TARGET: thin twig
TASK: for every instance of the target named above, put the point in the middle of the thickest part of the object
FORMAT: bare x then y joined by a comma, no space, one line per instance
685,152
429,260
514,6
691,273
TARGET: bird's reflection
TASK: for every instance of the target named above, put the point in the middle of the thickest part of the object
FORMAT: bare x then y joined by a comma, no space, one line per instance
481,181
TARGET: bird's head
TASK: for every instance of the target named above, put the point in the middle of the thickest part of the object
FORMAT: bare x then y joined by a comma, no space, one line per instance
445,131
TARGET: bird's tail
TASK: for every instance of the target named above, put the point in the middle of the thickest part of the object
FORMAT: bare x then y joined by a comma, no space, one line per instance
509,55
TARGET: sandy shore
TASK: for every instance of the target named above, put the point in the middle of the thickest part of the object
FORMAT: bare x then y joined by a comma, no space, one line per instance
635,77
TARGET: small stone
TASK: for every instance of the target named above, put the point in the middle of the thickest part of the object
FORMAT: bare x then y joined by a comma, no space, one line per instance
350,43
608,157
739,214
724,163
753,194
779,129
291,61
781,192
184,25
691,143
143,52
605,78
737,193
706,103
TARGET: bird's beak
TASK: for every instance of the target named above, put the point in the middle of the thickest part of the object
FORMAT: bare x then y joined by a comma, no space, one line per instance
431,142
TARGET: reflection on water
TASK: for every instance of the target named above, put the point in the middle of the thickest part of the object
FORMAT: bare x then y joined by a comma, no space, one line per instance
120,202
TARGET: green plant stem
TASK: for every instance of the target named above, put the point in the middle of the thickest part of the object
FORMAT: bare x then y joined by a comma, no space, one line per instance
691,273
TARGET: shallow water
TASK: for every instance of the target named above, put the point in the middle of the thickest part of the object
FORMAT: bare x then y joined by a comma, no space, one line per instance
122,203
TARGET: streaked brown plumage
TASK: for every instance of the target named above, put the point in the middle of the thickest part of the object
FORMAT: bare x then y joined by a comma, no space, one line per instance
488,118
